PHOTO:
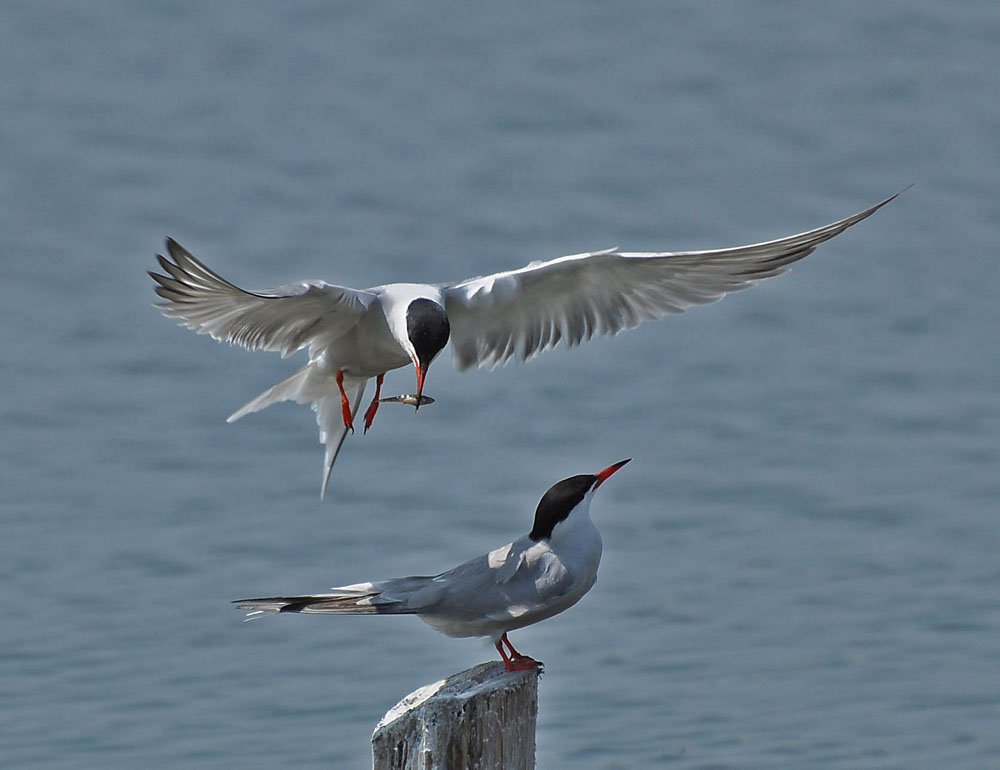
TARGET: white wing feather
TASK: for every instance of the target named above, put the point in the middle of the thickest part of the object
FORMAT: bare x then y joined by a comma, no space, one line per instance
520,313
285,319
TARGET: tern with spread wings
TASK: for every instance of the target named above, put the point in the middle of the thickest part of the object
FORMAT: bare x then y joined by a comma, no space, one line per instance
354,335
535,577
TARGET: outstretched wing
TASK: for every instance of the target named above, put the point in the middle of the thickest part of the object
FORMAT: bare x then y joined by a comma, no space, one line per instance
520,313
284,319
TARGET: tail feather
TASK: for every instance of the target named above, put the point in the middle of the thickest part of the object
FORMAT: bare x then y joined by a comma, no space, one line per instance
289,389
370,603
316,603
402,596
310,385
332,431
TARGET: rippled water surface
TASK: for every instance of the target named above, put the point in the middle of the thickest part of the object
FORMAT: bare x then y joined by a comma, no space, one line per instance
801,562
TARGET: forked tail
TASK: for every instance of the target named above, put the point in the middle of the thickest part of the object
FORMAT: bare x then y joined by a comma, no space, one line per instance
289,389
330,418
309,385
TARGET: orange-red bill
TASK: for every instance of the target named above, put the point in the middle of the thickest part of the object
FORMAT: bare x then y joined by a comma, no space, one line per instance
604,475
421,373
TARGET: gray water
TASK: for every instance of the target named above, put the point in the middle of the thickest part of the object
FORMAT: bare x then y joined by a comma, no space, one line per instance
801,563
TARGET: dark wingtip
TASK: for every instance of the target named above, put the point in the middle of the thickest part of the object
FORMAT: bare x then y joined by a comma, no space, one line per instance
175,249
888,200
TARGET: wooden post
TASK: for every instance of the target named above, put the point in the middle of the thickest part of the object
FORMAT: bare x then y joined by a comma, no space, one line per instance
482,718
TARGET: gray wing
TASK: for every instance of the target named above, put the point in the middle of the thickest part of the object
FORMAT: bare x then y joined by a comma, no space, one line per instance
284,319
519,579
520,313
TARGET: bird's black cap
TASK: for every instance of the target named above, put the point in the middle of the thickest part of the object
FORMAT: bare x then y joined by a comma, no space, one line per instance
557,503
563,497
428,328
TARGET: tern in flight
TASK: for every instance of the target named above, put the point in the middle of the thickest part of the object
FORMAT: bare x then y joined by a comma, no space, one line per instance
535,577
354,335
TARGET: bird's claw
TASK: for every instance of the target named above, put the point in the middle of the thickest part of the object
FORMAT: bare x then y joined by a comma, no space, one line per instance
370,415
523,663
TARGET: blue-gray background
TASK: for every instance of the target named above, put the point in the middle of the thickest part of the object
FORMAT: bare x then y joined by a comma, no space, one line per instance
801,565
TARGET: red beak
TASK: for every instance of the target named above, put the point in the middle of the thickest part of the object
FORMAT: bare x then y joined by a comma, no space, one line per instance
603,476
421,373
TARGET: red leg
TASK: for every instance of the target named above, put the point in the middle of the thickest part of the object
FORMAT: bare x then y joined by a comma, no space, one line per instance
373,407
503,654
515,661
345,404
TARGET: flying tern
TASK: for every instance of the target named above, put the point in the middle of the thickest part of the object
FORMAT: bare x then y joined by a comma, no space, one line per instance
535,577
354,335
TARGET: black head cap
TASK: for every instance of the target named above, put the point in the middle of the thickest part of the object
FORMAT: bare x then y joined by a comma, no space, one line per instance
557,503
428,329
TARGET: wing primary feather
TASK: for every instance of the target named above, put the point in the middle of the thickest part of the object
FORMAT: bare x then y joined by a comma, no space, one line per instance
520,313
286,319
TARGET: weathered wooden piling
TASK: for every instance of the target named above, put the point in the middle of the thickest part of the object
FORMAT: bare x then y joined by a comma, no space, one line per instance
482,718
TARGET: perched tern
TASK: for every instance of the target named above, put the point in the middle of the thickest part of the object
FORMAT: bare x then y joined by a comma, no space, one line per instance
354,335
535,577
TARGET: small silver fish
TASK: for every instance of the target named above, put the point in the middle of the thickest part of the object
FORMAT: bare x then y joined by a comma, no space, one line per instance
409,399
